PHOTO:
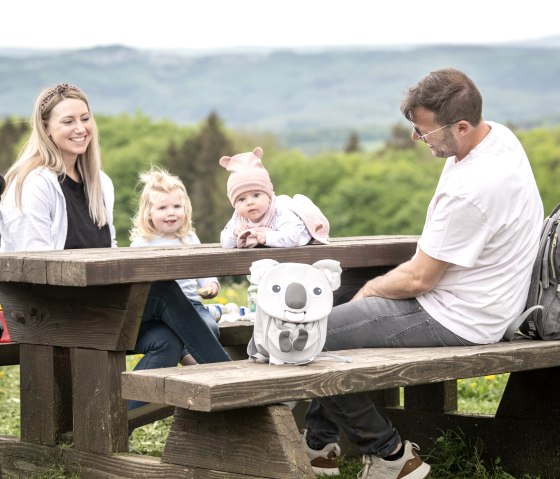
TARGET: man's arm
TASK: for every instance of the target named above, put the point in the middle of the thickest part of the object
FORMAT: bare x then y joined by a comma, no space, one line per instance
407,280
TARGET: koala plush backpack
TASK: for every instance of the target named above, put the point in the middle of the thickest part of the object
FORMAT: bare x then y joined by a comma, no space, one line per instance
293,304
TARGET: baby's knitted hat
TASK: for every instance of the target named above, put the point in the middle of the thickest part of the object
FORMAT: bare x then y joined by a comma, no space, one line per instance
247,173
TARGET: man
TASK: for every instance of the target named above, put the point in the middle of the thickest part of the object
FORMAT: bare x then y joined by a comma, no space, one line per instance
466,283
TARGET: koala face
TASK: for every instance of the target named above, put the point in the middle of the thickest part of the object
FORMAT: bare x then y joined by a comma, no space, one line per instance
295,293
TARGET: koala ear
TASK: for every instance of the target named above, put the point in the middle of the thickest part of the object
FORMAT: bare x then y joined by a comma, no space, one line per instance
259,268
332,271
224,161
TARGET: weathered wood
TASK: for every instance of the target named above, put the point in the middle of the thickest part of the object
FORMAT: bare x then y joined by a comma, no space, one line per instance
100,413
220,386
236,333
259,442
147,414
437,397
90,267
101,317
45,394
9,354
22,459
524,445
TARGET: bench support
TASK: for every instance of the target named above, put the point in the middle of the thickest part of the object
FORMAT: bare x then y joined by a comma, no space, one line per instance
255,442
522,433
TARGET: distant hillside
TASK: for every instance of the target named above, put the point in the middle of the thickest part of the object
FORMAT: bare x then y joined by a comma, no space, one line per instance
304,97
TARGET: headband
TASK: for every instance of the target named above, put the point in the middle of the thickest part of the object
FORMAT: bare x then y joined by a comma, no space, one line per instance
57,90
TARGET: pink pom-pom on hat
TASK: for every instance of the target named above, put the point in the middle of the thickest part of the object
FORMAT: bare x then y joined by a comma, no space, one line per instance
247,173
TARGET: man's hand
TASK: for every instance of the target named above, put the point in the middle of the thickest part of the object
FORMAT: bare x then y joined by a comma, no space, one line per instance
408,280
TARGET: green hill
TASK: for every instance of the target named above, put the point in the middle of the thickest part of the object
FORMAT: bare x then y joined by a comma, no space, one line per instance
310,99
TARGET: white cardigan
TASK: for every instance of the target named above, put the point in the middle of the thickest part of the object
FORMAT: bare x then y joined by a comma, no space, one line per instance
42,221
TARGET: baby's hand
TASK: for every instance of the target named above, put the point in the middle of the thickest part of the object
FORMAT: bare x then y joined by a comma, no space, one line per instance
240,230
261,236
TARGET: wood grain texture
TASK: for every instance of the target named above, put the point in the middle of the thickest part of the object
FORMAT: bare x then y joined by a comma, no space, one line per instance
99,317
253,442
221,386
45,385
100,413
22,459
89,267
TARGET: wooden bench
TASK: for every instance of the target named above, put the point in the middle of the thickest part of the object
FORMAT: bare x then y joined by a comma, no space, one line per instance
75,313
228,416
234,335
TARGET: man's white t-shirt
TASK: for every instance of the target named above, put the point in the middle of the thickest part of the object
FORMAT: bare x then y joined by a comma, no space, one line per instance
485,219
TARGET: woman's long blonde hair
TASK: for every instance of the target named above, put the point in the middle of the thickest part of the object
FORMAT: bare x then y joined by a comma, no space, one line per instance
40,151
159,180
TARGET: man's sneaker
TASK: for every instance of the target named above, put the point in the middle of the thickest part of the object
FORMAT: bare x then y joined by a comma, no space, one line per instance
409,466
324,461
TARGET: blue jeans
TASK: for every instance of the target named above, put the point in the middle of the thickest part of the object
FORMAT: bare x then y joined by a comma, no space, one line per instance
208,319
370,323
169,324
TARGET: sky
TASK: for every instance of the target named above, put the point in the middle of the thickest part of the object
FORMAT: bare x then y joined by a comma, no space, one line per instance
223,24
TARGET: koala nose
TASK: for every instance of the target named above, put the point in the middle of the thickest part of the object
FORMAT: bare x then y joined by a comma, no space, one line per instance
296,296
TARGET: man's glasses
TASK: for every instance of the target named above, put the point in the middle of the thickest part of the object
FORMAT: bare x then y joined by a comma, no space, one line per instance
423,137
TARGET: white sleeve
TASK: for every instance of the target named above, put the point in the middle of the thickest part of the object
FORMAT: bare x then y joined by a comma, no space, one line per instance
29,228
456,232
227,238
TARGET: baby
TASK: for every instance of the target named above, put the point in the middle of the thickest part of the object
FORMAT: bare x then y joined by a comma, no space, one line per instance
261,217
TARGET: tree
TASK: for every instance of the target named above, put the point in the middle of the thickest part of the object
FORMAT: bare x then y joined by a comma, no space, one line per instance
12,131
196,163
400,138
353,143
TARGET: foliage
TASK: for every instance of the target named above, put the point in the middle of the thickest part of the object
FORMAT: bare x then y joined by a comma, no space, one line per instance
456,456
195,161
482,393
543,149
353,143
12,131
130,145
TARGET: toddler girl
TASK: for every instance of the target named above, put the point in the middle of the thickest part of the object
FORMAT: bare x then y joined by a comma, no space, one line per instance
164,218
261,217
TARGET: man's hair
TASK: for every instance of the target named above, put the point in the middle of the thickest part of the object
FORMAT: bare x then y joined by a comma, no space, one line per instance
449,94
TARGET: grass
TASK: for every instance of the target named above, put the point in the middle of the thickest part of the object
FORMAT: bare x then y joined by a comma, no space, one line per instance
454,456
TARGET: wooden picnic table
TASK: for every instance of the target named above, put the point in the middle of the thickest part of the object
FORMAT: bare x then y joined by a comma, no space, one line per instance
75,313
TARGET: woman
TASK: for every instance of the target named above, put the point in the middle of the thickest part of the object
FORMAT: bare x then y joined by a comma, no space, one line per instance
57,197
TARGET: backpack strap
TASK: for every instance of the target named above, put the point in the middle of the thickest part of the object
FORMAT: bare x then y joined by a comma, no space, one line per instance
337,357
513,327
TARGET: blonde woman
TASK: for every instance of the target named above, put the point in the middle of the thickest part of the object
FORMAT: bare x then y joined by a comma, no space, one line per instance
164,218
56,195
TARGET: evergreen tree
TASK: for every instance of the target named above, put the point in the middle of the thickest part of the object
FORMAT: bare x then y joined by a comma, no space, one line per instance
353,143
196,163
400,138
11,132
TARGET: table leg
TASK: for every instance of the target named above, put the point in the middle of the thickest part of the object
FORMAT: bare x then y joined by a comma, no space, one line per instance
100,412
46,394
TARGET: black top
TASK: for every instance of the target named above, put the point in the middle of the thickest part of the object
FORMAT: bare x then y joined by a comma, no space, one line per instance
82,231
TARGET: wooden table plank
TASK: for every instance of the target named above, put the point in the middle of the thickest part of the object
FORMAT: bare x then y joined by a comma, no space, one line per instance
90,267
221,386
